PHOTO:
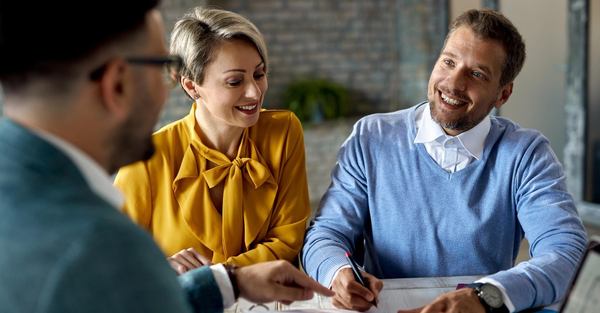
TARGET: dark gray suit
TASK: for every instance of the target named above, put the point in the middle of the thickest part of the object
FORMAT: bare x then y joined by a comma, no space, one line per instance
64,249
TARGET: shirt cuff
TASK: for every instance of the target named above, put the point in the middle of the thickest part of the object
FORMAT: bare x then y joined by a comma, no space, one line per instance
505,298
225,287
337,271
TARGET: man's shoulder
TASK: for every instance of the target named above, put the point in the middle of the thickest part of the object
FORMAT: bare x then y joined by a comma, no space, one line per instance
514,134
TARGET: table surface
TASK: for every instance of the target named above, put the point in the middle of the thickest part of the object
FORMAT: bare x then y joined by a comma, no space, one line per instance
400,293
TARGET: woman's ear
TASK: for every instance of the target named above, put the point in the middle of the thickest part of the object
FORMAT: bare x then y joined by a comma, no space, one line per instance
189,86
117,88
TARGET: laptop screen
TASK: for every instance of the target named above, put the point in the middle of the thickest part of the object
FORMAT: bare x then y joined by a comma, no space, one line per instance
584,295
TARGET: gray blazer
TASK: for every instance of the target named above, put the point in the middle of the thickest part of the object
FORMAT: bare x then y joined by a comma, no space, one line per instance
64,249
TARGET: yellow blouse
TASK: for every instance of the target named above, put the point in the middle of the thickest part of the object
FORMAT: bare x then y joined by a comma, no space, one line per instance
265,199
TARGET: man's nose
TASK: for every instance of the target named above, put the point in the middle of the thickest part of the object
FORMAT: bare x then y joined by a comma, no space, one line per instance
457,80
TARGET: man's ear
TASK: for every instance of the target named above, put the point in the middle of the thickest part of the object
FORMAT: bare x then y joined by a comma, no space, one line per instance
504,94
189,86
116,88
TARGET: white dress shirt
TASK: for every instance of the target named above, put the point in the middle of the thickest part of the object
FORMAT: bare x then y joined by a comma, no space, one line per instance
452,153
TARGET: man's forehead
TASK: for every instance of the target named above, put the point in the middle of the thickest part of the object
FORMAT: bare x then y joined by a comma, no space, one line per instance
486,52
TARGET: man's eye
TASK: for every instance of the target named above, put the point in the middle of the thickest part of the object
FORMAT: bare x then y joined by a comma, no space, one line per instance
448,62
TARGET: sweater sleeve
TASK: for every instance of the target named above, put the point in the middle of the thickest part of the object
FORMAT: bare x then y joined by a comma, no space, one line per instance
547,214
285,233
340,220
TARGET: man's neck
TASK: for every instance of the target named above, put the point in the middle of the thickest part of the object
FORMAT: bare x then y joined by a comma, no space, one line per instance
68,127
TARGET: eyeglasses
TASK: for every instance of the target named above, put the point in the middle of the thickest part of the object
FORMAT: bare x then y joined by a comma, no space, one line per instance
171,64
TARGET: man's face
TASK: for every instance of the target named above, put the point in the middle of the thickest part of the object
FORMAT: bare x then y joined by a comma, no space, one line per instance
465,82
134,138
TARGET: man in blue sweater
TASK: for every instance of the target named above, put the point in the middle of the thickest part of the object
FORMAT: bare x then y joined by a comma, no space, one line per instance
84,84
443,189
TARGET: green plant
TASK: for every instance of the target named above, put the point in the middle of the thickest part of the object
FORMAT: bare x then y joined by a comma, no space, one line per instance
316,100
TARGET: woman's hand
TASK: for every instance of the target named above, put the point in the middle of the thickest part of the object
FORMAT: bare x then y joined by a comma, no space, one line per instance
187,259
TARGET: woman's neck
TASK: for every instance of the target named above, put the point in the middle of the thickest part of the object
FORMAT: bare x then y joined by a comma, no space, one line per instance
223,138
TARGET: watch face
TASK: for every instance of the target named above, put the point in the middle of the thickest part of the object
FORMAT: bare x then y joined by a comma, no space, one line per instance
491,295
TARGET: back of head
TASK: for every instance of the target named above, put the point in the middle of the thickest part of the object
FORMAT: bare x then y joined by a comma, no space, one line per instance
49,38
489,24
199,33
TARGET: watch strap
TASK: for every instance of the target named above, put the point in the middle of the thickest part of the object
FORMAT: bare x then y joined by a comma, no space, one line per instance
486,306
231,273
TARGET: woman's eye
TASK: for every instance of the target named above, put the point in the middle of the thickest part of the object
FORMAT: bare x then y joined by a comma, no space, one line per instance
259,75
234,83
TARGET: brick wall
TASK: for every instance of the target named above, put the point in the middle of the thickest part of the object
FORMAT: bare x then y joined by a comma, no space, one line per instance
382,50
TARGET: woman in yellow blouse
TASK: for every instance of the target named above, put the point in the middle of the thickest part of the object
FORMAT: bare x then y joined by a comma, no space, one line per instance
227,183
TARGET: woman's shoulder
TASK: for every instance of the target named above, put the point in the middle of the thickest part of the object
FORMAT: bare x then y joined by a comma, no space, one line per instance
280,119
275,126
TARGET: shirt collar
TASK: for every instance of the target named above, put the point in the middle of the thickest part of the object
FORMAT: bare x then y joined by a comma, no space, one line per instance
96,177
473,140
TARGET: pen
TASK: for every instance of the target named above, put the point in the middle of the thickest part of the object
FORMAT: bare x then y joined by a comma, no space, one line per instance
357,275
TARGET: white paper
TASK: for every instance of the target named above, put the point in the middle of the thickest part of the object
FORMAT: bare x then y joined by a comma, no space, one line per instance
403,293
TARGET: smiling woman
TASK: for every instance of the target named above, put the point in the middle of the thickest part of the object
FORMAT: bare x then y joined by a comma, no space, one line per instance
228,181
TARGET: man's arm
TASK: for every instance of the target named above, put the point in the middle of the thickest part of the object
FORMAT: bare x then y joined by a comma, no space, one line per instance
338,226
339,222
547,214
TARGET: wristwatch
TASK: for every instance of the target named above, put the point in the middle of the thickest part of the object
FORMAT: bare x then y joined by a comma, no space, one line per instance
490,297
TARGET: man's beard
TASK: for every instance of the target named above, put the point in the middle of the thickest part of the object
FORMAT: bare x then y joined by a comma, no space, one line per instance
129,148
460,124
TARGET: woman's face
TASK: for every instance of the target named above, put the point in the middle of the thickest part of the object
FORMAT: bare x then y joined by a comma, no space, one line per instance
234,86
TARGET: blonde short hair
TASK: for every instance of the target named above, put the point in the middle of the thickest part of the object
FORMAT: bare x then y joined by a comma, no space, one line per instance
199,32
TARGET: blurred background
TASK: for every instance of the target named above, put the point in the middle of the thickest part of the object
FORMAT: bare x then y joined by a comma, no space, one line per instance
332,62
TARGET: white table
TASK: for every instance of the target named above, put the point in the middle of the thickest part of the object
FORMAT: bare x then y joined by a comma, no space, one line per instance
401,293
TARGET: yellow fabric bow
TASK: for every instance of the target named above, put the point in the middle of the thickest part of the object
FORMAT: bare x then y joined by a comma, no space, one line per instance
232,172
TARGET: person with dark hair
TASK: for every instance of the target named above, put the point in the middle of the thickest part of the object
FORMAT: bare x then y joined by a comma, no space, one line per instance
445,189
82,94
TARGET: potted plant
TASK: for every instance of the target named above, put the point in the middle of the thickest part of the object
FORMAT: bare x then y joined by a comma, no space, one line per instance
315,100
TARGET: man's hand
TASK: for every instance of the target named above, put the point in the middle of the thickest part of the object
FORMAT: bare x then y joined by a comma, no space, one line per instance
463,300
276,281
187,259
351,295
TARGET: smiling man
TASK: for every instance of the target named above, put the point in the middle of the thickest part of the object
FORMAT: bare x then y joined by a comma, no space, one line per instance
444,189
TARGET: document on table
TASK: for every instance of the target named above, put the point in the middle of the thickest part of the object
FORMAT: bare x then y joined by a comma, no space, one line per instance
401,293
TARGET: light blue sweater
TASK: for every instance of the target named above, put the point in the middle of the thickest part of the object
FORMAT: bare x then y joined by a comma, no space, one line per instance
420,221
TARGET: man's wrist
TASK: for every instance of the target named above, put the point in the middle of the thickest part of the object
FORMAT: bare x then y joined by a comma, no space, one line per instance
489,296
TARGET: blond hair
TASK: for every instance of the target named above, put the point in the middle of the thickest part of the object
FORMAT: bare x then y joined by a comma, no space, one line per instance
199,32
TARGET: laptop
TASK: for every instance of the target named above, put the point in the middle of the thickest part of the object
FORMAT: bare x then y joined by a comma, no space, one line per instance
584,294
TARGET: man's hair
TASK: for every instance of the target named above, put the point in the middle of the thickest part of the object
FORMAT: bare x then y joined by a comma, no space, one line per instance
489,24
201,31
51,38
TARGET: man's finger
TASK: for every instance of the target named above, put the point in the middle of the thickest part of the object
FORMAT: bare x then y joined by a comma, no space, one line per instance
285,293
416,310
306,282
